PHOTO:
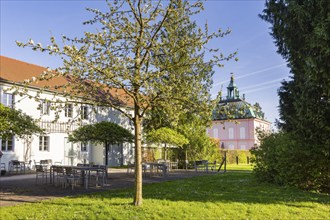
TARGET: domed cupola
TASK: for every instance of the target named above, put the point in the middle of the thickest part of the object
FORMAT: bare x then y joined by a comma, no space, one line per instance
232,90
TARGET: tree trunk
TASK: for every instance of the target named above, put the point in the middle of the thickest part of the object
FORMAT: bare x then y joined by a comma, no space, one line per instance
165,156
106,153
138,159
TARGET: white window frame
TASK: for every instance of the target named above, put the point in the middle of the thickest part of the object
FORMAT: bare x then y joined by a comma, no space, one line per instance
231,133
84,147
215,133
44,107
7,99
68,110
44,143
242,132
84,110
4,144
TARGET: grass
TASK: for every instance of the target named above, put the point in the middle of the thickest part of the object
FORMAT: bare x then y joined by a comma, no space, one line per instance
233,195
238,167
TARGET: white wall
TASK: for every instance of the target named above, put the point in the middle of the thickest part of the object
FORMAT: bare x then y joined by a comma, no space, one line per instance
57,147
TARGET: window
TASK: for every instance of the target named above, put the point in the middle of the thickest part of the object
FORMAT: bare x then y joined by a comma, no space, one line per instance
215,133
7,144
231,133
84,112
84,146
44,143
68,110
7,100
44,107
242,132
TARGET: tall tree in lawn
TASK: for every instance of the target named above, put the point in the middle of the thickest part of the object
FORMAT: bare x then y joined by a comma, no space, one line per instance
301,31
126,62
102,132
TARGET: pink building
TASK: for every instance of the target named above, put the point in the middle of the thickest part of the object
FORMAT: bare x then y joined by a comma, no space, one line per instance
235,121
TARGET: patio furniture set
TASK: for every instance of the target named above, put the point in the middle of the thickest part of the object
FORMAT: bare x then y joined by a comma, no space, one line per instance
67,175
163,167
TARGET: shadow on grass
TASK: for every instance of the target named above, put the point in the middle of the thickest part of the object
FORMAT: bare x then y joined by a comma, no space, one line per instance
233,186
229,187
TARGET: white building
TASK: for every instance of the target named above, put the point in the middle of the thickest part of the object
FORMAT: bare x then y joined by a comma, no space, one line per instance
54,144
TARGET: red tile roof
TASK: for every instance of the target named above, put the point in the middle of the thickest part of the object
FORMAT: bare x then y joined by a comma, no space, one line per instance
12,70
15,71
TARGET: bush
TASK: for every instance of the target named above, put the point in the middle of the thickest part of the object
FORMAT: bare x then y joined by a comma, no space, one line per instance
282,158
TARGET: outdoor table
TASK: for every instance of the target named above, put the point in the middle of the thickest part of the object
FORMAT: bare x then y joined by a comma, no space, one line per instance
19,166
85,171
158,166
204,164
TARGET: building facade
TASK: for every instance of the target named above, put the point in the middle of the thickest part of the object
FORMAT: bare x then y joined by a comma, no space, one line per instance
235,122
54,143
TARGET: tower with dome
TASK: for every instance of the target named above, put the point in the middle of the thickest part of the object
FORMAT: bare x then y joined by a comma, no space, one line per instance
235,121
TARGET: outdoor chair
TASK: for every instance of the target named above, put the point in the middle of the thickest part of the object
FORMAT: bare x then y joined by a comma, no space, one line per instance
41,172
145,168
166,165
16,166
163,169
35,164
2,169
101,175
174,165
130,168
29,165
59,176
200,165
47,162
71,177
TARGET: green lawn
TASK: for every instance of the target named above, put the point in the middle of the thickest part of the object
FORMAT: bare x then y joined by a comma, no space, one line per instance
233,195
238,167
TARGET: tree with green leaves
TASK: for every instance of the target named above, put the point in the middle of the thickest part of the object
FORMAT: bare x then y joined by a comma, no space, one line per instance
301,31
200,146
167,136
15,123
126,64
104,132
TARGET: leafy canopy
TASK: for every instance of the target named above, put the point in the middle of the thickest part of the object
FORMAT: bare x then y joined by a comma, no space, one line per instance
301,32
133,62
14,122
102,132
167,136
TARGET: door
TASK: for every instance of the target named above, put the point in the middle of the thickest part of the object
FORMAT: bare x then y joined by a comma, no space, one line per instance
115,155
70,154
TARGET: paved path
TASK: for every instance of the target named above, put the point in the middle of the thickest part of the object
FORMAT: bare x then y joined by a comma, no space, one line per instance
18,189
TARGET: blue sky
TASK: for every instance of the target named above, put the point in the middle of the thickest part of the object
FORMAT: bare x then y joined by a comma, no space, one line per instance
258,72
